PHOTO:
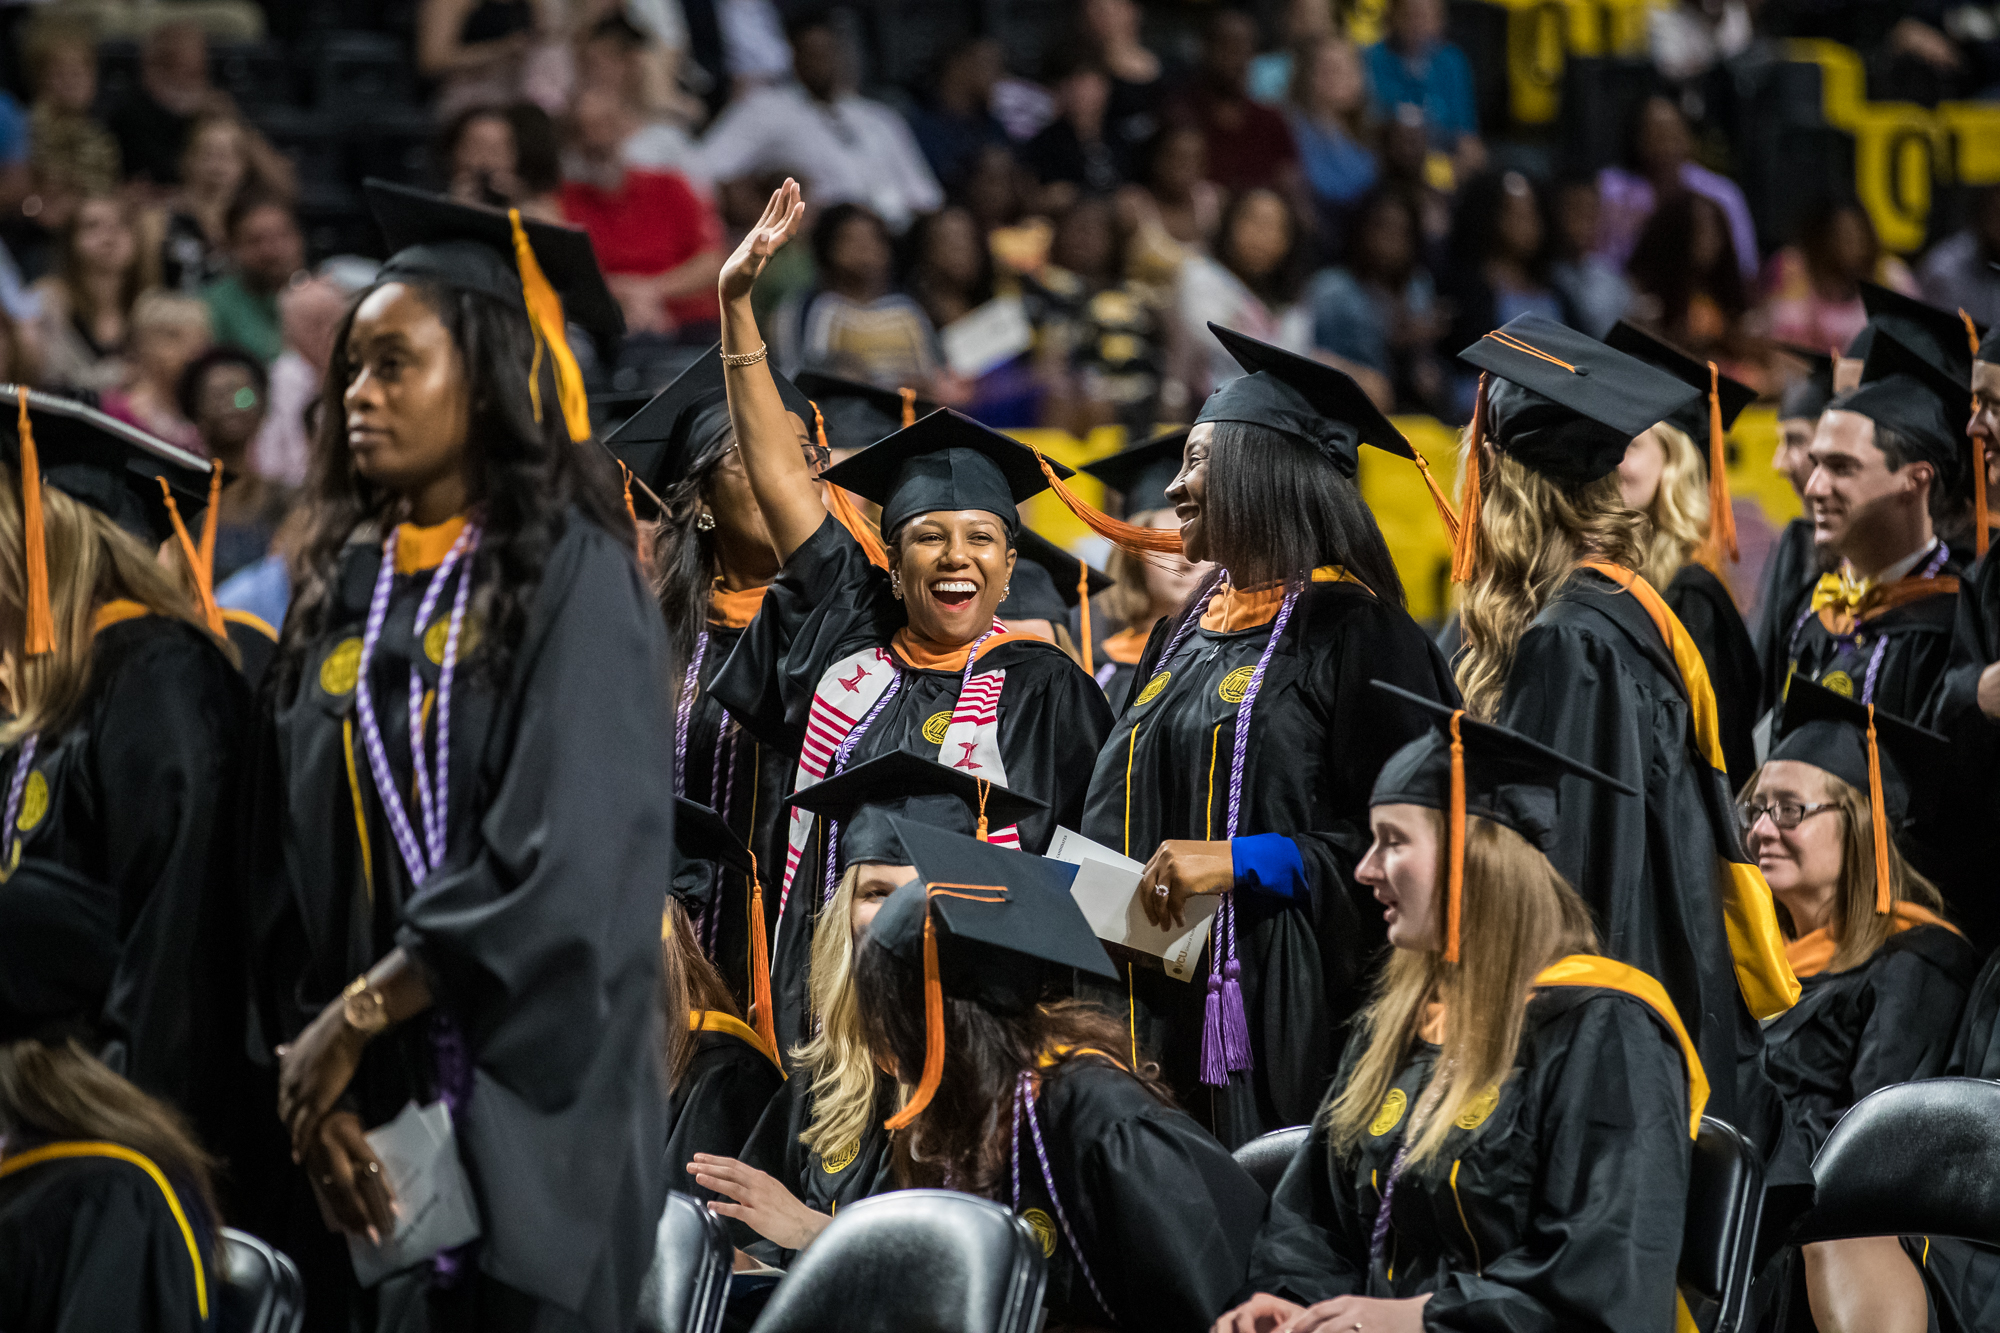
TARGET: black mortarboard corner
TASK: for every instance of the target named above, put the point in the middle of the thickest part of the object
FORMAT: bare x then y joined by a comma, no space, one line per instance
1899,389
549,271
1049,582
869,798
1940,337
1706,420
1873,752
1312,402
667,437
857,415
58,950
985,924
704,847
1805,399
947,461
1141,473
1492,772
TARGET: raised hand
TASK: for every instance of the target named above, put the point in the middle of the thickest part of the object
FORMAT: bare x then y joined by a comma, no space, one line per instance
779,224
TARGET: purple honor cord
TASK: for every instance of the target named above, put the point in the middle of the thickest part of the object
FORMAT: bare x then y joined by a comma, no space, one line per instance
1024,1096
684,713
23,764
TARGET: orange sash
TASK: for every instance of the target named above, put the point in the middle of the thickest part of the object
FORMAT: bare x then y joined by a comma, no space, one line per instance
734,610
923,655
1246,608
1812,952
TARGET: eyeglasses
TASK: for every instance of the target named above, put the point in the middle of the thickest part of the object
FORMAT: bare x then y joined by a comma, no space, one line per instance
1784,814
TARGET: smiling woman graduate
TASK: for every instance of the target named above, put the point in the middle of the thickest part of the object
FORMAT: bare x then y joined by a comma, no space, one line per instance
848,660
465,819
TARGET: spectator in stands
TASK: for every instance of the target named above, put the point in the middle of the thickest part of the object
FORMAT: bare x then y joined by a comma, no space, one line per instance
267,249
1413,65
1497,268
1327,109
1376,316
853,323
1249,144
1174,211
478,50
169,331
87,301
70,154
1073,155
846,148
309,311
224,157
20,358
618,56
1306,24
153,122
1250,285
1407,170
1101,339
659,244
1660,164
223,393
951,270
999,190
1686,279
1813,289
1138,85
1959,272
957,121
1597,292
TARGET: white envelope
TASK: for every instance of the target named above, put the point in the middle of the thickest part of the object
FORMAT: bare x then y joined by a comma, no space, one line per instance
435,1209
1107,889
987,336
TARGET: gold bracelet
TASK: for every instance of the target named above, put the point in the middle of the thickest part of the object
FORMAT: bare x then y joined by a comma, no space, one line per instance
746,358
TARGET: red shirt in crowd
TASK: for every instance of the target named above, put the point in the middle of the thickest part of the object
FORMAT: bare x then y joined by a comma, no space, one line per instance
1249,144
651,223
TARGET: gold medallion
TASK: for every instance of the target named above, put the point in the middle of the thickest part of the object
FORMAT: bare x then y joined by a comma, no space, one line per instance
440,631
1840,683
1235,685
34,801
1478,1108
841,1159
1391,1113
936,725
341,668
1153,688
1044,1228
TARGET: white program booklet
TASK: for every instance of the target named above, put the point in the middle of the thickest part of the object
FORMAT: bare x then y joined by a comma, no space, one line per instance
1107,889
987,336
434,1205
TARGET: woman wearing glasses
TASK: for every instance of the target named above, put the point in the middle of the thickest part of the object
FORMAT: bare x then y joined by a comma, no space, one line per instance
1883,975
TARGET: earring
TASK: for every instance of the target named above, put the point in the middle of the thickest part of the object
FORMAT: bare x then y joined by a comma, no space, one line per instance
896,588
704,522
1007,590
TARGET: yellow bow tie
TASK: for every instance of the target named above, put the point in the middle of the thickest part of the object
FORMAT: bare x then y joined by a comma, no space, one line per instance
1842,591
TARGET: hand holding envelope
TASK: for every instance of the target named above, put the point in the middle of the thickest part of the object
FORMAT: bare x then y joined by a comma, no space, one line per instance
1107,889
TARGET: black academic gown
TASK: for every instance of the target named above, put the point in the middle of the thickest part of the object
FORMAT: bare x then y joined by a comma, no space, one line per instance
1890,1020
539,934
1319,735
1592,677
140,793
1703,605
1961,1277
718,1101
255,645
1906,649
1163,1215
830,603
1968,804
1560,1208
823,1184
91,1243
1790,572
737,775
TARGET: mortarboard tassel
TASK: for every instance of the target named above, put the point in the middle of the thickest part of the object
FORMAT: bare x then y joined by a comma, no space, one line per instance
630,511
909,406
1465,540
1083,601
545,317
984,787
844,510
760,965
1721,543
1883,898
933,1033
1444,509
1979,517
40,627
1454,883
209,519
205,595
1138,541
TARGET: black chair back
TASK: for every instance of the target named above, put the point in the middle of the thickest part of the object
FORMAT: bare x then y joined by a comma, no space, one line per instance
1915,1159
1719,1243
914,1261
687,1286
1266,1156
260,1290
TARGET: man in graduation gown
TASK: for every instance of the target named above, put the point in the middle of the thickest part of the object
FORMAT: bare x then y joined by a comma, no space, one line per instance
1793,565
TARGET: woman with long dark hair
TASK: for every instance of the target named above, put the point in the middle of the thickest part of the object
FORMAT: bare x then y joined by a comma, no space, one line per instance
1034,1103
858,652
1241,766
465,820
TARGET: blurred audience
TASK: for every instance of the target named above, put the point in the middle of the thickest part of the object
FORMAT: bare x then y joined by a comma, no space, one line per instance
87,299
477,50
1497,268
1377,315
1174,209
1660,165
223,159
71,155
1960,270
1074,154
1327,109
1597,292
265,250
1686,281
956,120
309,313
1251,285
1110,31
1413,65
1813,291
505,157
1306,24
1102,339
853,322
152,122
1249,144
169,331
223,393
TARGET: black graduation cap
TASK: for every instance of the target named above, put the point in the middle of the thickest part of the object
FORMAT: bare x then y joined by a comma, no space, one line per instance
947,461
58,950
1693,418
900,786
1504,776
1807,398
105,463
1049,590
1306,399
704,846
665,438
1567,405
1919,401
1937,336
1989,347
1141,473
857,414
471,247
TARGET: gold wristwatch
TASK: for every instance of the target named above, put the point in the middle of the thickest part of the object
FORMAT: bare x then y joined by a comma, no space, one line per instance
364,1007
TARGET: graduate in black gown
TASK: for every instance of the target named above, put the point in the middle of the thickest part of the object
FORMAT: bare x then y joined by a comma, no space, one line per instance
107,1218
848,660
125,752
1507,1147
1674,474
1241,768
1793,565
1565,643
1149,587
1145,1219
820,1144
467,830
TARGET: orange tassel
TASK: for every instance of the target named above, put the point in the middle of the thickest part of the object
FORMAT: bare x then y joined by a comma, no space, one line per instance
209,519
210,613
630,511
1721,541
1883,899
1138,541
848,516
1445,514
545,318
933,1034
1980,518
1083,601
1465,542
40,626
1454,892
760,966
909,406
